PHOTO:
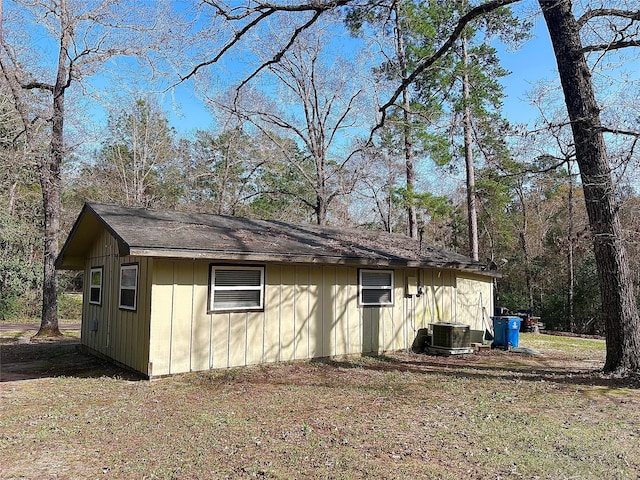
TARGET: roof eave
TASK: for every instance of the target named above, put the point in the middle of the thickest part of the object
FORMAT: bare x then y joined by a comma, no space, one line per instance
236,256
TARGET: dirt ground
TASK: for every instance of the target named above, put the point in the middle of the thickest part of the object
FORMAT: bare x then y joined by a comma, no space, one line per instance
67,415
33,327
23,357
48,359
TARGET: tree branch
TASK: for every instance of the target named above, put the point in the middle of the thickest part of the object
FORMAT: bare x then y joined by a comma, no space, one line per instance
324,5
236,38
278,56
606,12
537,171
38,86
265,10
607,47
617,131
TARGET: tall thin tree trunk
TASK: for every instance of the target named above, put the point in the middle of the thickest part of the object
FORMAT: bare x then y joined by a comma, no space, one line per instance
389,206
570,266
472,216
614,274
408,140
524,244
222,189
409,166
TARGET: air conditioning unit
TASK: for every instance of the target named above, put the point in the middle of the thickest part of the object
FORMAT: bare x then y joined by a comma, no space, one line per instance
451,336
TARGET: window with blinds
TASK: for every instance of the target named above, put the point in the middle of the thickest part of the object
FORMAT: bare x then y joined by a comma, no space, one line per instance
376,287
236,288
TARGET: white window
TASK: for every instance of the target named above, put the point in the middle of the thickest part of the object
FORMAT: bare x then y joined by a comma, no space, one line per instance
128,287
236,288
376,287
95,286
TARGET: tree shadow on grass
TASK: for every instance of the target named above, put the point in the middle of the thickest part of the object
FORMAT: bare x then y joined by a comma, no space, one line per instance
50,358
490,366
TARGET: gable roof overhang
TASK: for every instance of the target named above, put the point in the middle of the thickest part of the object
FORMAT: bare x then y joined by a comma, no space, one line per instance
169,234
83,234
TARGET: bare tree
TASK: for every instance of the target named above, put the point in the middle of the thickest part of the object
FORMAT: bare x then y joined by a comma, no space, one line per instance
317,106
88,34
375,190
137,158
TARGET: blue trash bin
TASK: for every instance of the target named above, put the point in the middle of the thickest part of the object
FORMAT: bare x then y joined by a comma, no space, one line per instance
506,332
513,332
499,331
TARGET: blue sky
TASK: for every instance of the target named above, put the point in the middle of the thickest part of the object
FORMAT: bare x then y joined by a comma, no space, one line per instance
187,113
533,62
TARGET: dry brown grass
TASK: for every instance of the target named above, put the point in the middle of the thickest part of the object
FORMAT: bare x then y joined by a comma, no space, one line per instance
489,415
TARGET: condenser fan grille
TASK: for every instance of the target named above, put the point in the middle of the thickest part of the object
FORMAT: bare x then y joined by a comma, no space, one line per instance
451,335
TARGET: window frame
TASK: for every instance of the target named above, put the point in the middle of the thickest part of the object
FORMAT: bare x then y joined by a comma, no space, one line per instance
92,285
362,288
213,288
123,267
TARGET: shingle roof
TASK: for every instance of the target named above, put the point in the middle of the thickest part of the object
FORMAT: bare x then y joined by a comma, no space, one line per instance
174,234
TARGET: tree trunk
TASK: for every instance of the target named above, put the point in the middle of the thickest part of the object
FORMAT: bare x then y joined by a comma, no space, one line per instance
408,141
524,244
614,274
570,267
409,167
321,209
50,183
472,216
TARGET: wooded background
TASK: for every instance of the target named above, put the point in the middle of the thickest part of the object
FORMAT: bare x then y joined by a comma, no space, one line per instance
372,136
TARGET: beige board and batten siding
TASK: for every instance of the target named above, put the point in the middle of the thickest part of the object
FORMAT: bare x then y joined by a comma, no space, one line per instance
122,335
453,296
310,311
474,300
95,318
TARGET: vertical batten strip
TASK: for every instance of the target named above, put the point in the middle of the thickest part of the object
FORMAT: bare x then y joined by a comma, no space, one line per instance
246,338
280,317
193,313
263,353
294,294
227,318
347,311
211,343
173,296
311,310
338,319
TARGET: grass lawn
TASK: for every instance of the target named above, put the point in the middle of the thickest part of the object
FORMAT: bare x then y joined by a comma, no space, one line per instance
489,415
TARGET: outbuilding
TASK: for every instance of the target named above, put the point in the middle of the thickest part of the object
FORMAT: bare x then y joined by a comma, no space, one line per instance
168,292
